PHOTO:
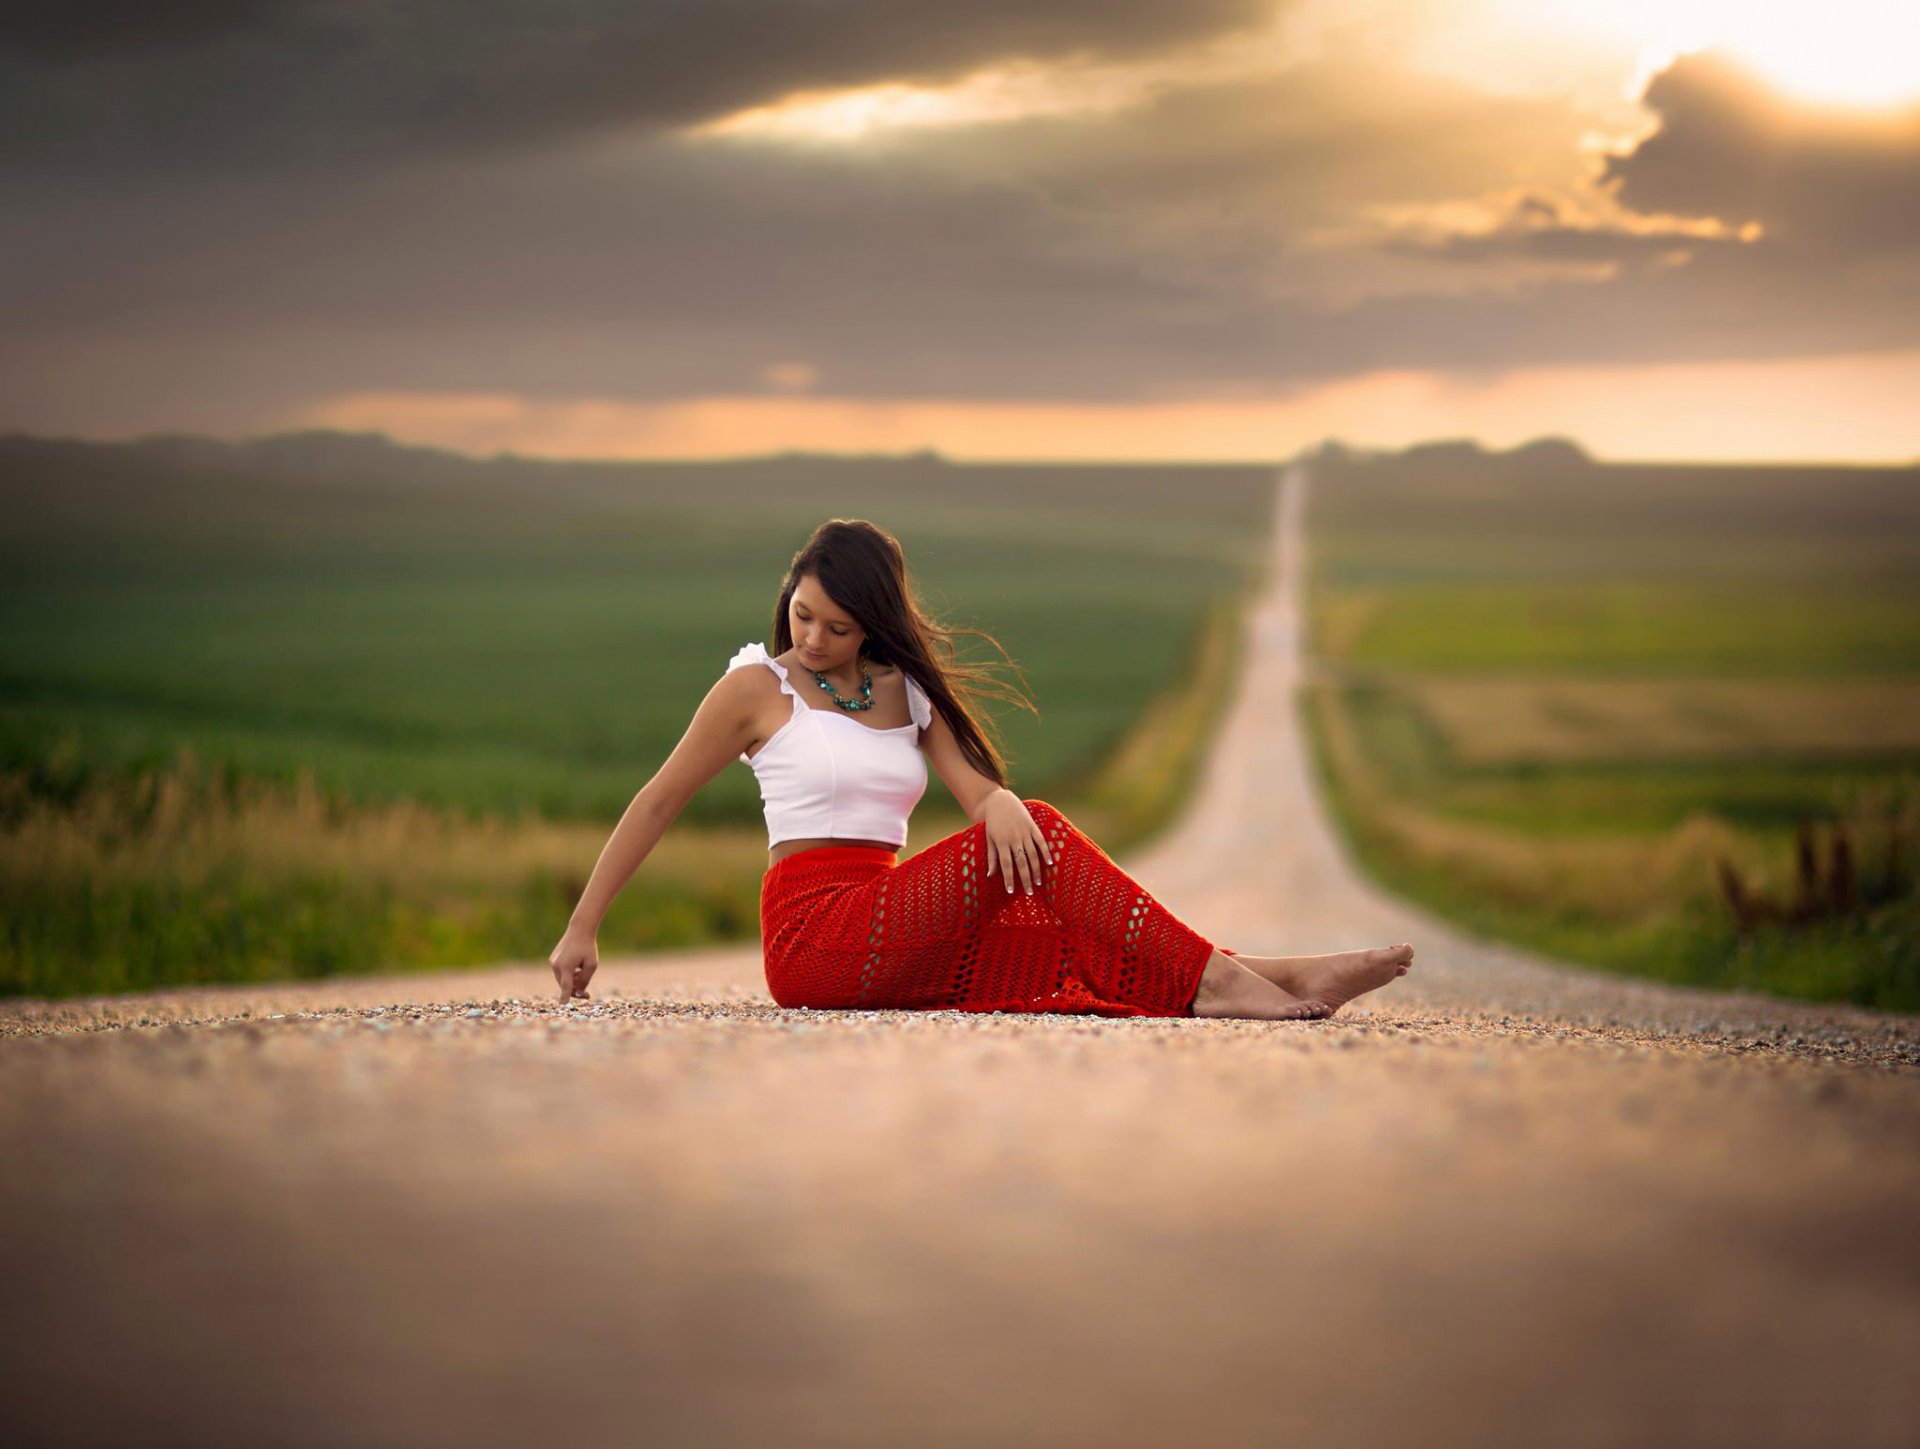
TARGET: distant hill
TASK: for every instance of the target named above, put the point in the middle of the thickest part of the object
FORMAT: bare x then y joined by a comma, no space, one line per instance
337,480
322,455
1551,453
1548,454
315,454
359,461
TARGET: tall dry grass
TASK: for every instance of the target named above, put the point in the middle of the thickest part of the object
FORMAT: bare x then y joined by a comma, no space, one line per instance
1562,719
190,874
1649,903
1136,791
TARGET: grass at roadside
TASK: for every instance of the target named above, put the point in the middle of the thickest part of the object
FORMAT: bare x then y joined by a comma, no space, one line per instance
1564,703
1138,789
1642,901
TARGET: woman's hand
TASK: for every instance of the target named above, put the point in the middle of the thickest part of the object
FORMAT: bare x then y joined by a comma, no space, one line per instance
574,961
1014,842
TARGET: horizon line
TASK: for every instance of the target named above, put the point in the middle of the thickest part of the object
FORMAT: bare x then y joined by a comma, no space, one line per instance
971,459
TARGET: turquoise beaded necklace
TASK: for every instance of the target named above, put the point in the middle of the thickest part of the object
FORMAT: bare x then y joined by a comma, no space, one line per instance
866,689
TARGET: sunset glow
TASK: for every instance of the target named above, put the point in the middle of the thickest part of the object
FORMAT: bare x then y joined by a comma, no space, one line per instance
1852,408
1007,94
1841,52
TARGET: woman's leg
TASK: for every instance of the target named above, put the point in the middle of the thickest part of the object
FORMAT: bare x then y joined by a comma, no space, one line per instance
942,934
1126,936
1086,889
1090,938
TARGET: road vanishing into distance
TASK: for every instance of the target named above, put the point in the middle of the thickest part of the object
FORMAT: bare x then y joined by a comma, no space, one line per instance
1498,1202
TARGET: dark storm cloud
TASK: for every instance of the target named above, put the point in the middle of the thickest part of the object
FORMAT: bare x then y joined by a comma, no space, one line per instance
1172,248
1076,257
1827,187
1836,194
326,83
1731,303
63,31
663,275
1843,184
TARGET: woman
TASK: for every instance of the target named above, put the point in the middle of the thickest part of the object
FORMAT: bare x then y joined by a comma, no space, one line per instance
1019,912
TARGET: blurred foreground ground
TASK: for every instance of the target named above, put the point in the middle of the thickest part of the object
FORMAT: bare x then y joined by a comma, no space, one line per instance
1498,1202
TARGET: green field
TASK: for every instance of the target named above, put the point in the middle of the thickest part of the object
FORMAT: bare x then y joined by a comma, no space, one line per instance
1552,697
414,692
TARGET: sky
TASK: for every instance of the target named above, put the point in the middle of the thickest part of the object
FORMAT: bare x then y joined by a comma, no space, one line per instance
1003,229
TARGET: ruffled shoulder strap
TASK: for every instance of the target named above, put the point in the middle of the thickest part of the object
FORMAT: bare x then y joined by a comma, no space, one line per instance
918,705
757,654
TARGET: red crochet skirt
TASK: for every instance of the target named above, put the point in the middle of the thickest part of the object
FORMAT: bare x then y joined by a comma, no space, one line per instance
853,927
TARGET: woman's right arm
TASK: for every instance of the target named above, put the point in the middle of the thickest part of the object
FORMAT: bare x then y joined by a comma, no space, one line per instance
722,728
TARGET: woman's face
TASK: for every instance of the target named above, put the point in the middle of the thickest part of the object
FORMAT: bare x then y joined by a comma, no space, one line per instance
823,632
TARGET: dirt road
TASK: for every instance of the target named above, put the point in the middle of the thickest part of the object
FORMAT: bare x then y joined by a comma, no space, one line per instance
1498,1202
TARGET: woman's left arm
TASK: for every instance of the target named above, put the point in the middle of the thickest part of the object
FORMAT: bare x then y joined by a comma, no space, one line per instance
1015,844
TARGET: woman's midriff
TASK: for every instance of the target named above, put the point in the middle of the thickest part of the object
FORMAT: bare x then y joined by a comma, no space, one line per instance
793,847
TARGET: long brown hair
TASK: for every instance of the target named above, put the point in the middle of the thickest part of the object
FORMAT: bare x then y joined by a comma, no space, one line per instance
864,571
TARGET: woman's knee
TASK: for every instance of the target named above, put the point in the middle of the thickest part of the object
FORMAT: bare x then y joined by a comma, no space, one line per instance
1044,815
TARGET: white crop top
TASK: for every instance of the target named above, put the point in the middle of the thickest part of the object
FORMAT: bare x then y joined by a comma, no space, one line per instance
823,774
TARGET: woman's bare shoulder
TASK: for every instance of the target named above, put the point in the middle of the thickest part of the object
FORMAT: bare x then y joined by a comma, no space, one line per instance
749,688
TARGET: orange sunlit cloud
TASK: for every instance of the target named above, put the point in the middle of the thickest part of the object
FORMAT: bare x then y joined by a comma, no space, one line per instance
1841,408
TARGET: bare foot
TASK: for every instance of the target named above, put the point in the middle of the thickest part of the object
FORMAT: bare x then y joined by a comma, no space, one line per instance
1334,979
1228,988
